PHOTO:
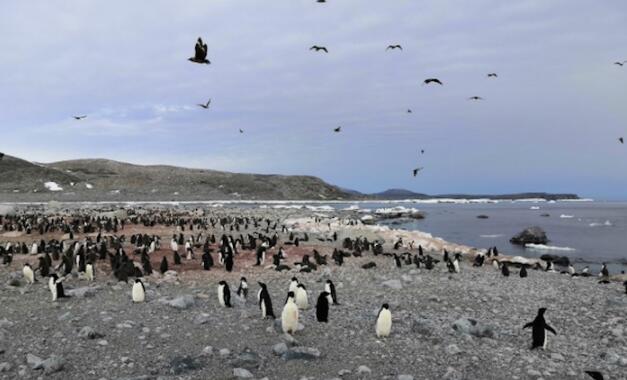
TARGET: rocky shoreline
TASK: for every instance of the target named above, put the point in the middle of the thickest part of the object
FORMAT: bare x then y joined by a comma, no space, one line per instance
465,325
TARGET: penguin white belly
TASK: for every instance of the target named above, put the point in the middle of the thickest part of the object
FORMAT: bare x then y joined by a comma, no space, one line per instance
89,272
546,340
33,249
263,310
456,266
301,299
28,275
53,288
138,293
289,318
384,323
221,295
495,264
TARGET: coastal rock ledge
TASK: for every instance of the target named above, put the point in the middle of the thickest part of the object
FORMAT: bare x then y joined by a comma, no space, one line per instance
530,235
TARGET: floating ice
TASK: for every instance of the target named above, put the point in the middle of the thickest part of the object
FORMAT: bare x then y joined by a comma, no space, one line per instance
53,186
542,247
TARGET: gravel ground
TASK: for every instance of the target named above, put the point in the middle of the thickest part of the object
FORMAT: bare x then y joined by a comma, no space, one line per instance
102,335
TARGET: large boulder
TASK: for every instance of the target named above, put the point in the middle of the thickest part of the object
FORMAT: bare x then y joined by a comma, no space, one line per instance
531,235
557,260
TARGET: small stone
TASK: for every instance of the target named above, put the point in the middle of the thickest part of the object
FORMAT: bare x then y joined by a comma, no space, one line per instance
35,362
53,364
201,319
405,377
207,351
452,349
363,370
181,302
89,333
5,367
301,353
102,342
225,352
242,373
83,292
279,349
452,374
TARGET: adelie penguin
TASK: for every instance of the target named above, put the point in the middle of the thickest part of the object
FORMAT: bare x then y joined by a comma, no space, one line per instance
322,307
265,303
302,300
505,270
224,294
56,287
242,290
28,273
289,316
164,265
384,321
207,261
523,271
138,292
90,271
539,329
329,287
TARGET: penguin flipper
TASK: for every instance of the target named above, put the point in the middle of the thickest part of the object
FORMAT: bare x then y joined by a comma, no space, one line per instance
551,329
530,324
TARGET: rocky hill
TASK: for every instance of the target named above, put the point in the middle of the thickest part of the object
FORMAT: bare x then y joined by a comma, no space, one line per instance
102,180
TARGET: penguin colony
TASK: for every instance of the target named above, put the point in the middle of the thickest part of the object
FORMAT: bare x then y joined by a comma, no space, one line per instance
58,259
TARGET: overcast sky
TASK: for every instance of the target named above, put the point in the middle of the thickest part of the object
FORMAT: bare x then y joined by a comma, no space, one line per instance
549,122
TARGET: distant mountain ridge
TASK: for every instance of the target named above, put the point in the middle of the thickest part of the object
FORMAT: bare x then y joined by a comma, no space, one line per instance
107,180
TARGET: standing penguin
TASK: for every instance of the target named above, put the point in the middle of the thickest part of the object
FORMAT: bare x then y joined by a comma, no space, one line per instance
228,262
242,290
89,271
495,264
329,287
505,270
44,267
139,292
539,328
29,275
302,300
571,270
604,272
56,287
164,265
523,271
289,316
224,294
177,258
322,307
265,303
384,321
456,262
207,260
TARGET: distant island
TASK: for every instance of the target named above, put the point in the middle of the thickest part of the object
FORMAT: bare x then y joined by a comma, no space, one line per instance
107,180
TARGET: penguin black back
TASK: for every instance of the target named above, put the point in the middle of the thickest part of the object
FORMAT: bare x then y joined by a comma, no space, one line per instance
322,307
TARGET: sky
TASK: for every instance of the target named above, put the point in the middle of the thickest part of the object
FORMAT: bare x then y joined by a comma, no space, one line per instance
549,122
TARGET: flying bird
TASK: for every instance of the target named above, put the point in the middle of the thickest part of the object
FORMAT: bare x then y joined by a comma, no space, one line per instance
321,1
318,48
408,110
620,63
493,75
595,375
337,130
475,98
241,131
415,171
206,105
392,47
433,80
422,151
79,117
200,55
622,141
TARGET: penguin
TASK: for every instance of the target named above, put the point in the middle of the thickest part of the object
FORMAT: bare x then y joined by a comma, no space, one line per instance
89,271
495,264
177,258
329,287
584,272
164,265
595,375
224,294
139,292
265,303
523,271
242,290
505,270
293,285
571,270
28,273
456,263
207,260
56,287
302,300
384,321
322,307
44,267
228,262
540,327
289,316
397,261
625,285
604,272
